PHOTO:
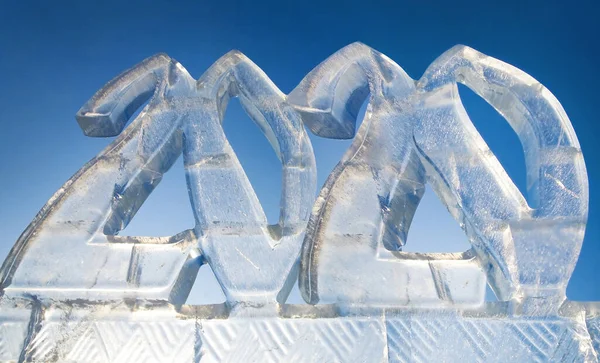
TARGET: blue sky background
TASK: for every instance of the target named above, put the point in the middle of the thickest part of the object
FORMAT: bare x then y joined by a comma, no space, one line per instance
55,55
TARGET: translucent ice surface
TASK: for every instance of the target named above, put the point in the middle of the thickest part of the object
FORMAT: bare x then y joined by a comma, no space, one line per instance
73,290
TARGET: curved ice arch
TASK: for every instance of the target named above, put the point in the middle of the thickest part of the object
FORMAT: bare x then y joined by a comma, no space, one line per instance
253,262
529,251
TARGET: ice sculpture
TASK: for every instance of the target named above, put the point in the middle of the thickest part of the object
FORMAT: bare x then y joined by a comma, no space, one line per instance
73,290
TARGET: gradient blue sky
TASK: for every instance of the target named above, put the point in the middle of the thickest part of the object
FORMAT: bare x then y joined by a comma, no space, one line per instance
55,55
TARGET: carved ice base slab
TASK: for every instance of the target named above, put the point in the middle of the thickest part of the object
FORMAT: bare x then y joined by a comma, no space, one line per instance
299,333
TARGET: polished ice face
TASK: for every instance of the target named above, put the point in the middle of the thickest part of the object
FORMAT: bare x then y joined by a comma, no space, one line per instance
71,284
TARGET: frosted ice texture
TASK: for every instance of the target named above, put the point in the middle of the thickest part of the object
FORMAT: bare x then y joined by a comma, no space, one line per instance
72,289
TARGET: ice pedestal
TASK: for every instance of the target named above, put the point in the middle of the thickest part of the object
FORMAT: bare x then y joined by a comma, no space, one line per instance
161,333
